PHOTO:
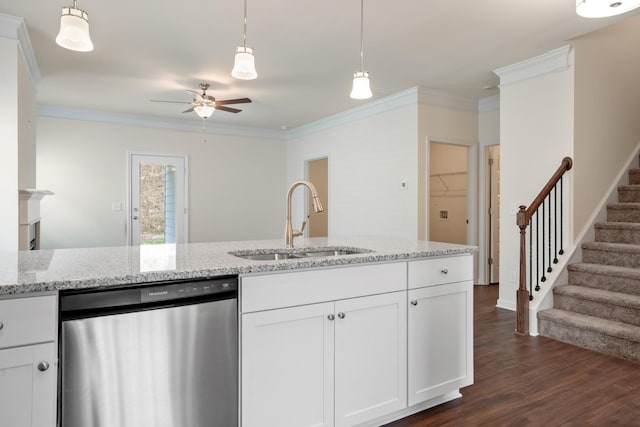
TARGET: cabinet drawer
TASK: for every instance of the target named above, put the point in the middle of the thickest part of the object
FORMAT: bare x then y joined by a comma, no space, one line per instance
266,292
438,271
27,321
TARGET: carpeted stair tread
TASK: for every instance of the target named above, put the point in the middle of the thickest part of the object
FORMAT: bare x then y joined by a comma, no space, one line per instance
631,226
612,247
599,295
629,187
623,206
609,270
590,323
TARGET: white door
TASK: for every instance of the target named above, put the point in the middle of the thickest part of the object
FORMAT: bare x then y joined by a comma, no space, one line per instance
440,340
28,386
371,357
157,210
287,367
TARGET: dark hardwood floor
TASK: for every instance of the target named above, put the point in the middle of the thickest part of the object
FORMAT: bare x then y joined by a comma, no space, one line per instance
535,381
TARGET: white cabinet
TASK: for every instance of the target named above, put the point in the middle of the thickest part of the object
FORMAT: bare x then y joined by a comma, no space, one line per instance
325,363
298,361
28,362
287,367
440,336
370,357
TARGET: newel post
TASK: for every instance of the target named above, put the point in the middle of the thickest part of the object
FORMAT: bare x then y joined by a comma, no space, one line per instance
522,296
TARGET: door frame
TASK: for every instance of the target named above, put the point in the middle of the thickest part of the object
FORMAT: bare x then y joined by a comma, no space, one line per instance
185,157
328,201
483,217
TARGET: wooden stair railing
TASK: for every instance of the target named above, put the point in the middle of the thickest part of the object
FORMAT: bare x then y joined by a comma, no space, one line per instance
523,221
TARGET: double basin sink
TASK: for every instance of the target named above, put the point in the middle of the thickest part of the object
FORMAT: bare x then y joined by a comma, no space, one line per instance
284,254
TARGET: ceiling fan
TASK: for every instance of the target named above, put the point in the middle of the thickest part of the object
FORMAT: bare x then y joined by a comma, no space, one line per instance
204,105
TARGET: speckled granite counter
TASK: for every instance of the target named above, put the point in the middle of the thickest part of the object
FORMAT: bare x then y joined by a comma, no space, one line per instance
49,270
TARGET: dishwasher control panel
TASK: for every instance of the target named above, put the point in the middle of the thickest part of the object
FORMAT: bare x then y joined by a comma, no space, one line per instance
193,289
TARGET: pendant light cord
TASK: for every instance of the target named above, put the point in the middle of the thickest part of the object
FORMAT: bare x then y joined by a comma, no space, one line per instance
361,35
245,23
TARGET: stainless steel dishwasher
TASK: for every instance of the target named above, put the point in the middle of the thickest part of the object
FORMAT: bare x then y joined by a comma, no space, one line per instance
156,355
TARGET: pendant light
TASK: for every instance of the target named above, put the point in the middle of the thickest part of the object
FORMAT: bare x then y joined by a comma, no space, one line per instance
361,88
74,29
244,67
604,8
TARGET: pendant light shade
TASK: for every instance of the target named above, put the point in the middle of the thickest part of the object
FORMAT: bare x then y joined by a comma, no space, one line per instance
361,85
244,66
604,8
361,88
74,29
204,111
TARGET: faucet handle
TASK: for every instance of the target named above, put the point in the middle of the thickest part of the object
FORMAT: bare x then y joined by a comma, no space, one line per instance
297,233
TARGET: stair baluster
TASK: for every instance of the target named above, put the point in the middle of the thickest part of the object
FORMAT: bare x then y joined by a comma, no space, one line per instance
543,247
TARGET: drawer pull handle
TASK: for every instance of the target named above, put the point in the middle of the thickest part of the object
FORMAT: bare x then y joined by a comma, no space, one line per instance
43,366
414,302
341,315
331,317
444,271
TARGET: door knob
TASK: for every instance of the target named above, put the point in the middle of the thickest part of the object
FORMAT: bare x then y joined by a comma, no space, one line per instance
43,366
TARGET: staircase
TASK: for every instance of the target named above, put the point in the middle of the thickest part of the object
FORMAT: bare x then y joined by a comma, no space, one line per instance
600,307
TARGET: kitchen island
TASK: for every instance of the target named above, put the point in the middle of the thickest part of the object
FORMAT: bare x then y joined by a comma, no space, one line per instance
346,339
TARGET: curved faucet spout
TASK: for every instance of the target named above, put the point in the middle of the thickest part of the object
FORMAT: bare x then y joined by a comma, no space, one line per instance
290,233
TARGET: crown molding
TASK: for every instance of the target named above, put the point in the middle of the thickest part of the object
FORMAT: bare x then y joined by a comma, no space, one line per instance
183,125
14,28
413,96
551,62
489,103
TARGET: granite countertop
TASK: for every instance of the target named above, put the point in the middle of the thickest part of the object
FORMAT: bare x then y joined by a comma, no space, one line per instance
50,270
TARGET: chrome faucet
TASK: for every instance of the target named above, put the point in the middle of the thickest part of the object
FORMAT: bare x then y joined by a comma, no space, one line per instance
290,233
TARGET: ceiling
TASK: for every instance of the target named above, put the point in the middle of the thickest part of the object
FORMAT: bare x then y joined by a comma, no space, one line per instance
306,51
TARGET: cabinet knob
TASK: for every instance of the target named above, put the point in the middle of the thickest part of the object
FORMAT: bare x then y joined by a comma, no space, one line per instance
1,325
341,315
43,366
444,271
331,317
414,302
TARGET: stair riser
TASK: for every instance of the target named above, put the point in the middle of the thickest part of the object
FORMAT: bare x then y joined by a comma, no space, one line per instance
591,340
597,309
604,282
612,235
629,196
623,215
634,177
621,259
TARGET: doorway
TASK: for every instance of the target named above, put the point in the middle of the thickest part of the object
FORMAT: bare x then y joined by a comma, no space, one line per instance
157,209
318,174
493,218
448,193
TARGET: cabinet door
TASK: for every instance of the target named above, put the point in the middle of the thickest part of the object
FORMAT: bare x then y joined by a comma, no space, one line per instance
287,367
28,394
371,357
440,340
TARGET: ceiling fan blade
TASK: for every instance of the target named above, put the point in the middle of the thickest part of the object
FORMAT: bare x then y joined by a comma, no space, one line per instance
228,109
172,102
188,110
233,101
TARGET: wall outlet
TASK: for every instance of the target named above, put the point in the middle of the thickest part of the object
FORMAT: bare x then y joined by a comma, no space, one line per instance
404,184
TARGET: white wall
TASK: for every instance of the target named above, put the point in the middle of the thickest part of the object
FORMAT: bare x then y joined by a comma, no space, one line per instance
9,57
607,111
536,132
236,184
368,159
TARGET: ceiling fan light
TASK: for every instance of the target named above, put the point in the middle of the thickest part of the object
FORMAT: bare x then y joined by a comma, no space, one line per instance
74,30
361,87
244,67
204,111
604,8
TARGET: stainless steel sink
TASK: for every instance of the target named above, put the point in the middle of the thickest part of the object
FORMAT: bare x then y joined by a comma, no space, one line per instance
278,255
